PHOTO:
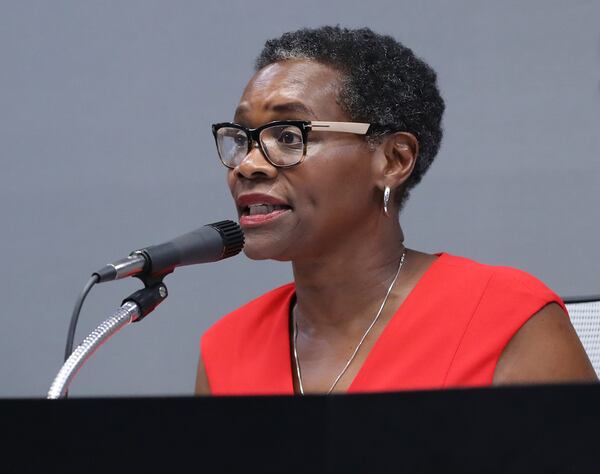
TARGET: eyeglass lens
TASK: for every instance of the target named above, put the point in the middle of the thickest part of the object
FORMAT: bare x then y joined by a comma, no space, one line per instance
283,145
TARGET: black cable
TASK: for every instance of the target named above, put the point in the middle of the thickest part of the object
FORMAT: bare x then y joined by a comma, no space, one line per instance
75,316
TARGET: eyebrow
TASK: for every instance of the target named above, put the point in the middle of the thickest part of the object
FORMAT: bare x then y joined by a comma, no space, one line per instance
293,107
296,107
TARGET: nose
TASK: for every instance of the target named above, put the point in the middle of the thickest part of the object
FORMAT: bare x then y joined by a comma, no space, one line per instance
255,165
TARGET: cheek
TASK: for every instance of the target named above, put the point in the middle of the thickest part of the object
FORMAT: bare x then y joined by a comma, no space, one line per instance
230,181
337,182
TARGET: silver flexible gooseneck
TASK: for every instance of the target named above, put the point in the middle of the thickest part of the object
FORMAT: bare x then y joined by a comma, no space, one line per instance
126,314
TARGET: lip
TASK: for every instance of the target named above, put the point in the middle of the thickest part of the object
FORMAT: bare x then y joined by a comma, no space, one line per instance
243,201
247,221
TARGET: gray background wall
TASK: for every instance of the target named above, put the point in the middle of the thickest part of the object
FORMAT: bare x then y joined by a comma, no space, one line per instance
105,146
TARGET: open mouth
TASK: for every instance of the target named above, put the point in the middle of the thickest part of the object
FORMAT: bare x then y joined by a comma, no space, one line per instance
256,215
263,209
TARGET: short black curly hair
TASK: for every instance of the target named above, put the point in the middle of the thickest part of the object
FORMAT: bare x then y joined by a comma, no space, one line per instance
385,83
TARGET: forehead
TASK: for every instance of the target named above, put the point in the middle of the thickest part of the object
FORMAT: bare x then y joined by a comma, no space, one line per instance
293,89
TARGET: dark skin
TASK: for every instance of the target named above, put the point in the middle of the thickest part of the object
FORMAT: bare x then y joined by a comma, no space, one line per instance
345,250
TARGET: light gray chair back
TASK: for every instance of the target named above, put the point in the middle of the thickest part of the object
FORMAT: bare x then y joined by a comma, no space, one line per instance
585,316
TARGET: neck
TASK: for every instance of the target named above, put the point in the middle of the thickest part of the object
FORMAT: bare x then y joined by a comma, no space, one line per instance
345,287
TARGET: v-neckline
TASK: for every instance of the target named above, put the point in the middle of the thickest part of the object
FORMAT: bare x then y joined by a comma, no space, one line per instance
427,275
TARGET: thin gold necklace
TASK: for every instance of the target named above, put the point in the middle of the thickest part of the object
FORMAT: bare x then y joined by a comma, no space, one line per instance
362,339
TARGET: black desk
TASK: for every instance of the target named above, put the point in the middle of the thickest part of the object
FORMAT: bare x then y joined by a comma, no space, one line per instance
518,430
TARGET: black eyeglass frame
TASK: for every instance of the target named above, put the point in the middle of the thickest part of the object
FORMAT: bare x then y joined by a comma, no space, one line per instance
253,134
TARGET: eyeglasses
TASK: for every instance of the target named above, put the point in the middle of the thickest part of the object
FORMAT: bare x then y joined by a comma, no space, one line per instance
283,143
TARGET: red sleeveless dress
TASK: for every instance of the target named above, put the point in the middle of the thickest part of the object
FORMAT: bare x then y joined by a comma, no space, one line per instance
449,332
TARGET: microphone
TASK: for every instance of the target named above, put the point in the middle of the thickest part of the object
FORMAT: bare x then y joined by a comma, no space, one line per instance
209,243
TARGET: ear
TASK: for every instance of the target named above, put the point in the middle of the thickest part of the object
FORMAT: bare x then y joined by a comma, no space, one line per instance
396,160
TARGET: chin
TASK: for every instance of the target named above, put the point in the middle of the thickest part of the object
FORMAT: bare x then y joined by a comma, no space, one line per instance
259,249
255,254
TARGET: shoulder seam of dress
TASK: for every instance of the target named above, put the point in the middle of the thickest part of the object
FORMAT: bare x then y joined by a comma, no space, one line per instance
467,326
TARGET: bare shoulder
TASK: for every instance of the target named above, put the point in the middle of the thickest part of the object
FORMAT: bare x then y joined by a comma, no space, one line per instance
202,386
545,350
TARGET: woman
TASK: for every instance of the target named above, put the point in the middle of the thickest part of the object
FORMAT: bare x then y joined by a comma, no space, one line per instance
330,135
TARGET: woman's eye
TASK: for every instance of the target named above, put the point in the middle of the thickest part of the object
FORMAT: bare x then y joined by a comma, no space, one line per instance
288,137
240,140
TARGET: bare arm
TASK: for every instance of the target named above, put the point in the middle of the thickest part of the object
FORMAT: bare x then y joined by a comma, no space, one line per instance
545,350
202,386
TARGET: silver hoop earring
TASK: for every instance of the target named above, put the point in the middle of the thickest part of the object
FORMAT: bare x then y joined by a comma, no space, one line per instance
386,199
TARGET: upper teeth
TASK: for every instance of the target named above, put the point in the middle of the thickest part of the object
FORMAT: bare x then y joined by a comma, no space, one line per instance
262,208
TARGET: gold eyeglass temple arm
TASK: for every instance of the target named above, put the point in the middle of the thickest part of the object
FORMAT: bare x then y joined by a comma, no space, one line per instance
347,127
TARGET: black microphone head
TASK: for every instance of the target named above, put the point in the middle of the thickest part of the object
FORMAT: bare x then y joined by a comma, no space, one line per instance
233,237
